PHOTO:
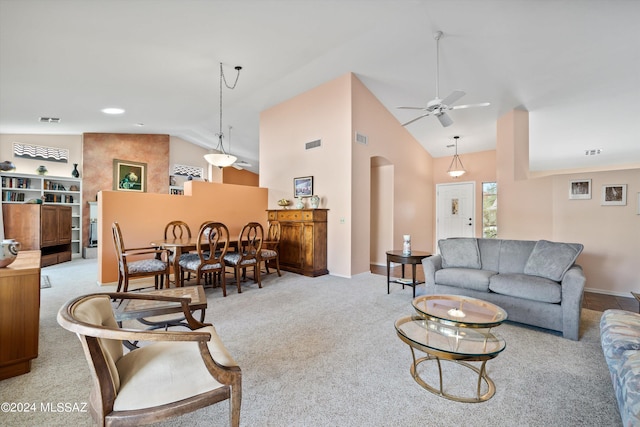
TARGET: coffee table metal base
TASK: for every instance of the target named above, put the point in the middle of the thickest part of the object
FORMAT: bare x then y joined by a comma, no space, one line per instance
482,376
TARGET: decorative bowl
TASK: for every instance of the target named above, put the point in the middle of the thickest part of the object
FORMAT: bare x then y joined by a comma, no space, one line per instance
8,252
284,203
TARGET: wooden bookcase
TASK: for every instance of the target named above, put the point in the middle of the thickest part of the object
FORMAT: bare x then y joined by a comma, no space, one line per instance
303,240
52,190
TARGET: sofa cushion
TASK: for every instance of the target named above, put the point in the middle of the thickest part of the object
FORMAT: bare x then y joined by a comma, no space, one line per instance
528,287
459,252
552,259
468,278
619,332
489,253
514,255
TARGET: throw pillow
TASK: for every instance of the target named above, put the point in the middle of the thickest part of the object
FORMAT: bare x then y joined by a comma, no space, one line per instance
551,259
459,252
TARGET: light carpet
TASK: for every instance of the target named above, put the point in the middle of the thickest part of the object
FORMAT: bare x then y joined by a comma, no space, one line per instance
324,352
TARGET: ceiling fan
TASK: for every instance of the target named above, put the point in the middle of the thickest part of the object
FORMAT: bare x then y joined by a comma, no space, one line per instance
438,107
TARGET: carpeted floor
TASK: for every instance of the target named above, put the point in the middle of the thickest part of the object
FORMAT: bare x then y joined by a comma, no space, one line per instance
323,352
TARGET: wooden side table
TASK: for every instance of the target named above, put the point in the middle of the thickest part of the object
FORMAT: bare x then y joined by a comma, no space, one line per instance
414,258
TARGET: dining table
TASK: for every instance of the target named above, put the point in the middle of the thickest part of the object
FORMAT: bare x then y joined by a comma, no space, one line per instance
183,245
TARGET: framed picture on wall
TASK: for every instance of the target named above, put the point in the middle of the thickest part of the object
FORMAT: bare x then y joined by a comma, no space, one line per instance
303,187
580,189
129,176
614,195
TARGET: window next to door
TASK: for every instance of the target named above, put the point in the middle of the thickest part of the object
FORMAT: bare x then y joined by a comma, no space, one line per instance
489,210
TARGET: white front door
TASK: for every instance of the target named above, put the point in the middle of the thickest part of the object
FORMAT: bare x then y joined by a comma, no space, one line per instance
455,210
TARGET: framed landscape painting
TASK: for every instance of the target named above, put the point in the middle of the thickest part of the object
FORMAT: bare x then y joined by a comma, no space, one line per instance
614,195
129,176
303,187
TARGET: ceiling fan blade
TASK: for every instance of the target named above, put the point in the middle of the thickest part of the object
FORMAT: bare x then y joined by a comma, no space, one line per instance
445,120
412,108
452,97
417,118
457,107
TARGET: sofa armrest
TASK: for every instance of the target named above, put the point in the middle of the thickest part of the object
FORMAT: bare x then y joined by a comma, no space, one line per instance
430,265
572,293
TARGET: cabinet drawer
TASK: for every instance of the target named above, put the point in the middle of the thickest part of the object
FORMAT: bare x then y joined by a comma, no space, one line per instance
48,260
289,215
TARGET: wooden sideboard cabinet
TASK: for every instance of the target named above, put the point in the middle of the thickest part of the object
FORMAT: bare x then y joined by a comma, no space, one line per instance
19,314
303,240
46,227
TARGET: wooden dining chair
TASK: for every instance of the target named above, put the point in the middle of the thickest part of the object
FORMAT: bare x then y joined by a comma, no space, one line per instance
269,250
211,247
176,230
173,373
139,262
248,253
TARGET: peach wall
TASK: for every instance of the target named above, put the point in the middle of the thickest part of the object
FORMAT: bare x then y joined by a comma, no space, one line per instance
143,216
231,175
381,211
539,208
71,142
480,166
341,168
320,113
413,188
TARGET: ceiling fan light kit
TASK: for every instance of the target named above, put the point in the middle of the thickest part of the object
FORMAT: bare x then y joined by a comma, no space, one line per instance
222,159
456,169
438,107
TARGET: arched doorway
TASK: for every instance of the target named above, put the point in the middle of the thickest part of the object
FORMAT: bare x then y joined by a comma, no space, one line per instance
381,210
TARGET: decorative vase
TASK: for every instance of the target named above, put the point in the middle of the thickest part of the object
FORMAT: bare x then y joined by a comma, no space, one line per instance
42,170
406,244
8,252
315,201
299,203
74,172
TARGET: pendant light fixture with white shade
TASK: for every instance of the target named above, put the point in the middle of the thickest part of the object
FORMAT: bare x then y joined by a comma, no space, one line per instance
456,169
222,158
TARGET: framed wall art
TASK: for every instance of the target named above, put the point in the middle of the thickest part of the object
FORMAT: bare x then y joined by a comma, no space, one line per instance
303,186
129,176
580,189
614,195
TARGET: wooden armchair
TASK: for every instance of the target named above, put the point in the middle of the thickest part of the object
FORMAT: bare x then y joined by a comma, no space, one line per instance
211,247
270,246
248,253
175,373
131,266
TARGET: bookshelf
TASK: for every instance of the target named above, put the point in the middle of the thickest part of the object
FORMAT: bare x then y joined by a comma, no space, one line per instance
54,190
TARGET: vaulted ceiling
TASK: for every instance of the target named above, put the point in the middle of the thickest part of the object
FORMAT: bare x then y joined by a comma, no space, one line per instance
574,65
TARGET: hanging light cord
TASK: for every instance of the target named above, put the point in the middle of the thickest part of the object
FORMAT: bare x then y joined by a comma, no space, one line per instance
223,79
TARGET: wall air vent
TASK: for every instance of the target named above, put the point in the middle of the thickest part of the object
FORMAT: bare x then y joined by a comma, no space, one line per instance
313,144
362,139
49,120
593,152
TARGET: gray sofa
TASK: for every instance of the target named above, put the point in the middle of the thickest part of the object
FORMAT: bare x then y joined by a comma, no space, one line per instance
536,282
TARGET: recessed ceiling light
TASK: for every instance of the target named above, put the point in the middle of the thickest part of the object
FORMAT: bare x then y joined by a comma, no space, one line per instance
113,110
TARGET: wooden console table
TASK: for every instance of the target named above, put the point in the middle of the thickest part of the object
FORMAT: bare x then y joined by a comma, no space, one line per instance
303,240
19,314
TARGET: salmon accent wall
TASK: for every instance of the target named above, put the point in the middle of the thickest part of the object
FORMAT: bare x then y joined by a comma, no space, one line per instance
143,216
231,175
100,149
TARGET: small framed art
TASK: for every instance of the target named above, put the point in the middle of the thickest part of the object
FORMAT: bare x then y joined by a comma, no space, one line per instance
129,176
580,189
614,195
303,186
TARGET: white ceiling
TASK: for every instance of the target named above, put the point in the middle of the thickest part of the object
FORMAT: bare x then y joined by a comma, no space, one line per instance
573,64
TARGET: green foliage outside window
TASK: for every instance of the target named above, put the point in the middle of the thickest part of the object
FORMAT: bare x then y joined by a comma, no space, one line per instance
490,210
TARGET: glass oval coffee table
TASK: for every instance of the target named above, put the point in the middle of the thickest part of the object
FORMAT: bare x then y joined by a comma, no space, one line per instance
457,329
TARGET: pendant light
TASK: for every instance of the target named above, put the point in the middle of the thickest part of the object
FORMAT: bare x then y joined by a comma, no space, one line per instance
456,169
222,158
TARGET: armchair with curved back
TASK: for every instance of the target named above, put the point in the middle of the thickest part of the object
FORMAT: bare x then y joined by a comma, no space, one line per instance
211,247
136,263
176,372
247,253
270,246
